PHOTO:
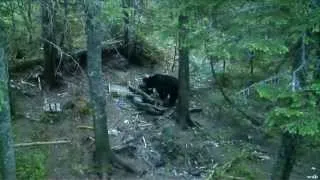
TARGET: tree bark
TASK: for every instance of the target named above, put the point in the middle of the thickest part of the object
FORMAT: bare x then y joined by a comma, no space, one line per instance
287,154
103,153
287,157
125,6
298,53
48,34
25,9
316,74
7,154
29,15
65,41
183,94
129,31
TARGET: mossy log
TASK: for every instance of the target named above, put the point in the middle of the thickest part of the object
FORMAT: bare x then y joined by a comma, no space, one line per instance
143,53
24,65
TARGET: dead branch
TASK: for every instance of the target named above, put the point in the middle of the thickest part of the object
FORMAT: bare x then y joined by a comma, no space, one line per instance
195,110
42,143
146,97
22,66
85,127
122,147
120,162
126,165
148,104
152,109
61,52
167,114
61,55
233,177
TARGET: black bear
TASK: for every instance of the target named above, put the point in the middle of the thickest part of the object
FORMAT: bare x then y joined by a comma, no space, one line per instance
165,85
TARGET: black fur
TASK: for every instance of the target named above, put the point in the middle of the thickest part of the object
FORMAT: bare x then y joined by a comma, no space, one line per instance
164,84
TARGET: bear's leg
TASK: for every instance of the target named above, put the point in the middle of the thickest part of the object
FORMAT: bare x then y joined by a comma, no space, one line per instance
172,99
163,95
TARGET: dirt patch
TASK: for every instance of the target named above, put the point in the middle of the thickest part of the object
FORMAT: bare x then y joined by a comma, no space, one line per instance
147,142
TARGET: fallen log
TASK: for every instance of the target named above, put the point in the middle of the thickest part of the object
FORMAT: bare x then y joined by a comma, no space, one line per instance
145,96
149,108
195,110
142,52
24,65
42,143
78,59
148,103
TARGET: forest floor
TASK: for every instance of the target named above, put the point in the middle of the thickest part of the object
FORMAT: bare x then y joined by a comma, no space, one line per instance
147,142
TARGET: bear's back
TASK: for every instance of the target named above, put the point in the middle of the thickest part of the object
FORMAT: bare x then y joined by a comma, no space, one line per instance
163,80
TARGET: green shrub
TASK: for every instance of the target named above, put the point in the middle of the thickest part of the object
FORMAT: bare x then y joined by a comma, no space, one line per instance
31,165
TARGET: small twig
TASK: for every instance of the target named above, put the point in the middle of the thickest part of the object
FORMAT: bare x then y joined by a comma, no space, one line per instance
39,83
111,42
147,98
42,143
63,53
233,177
58,48
27,83
144,125
92,139
144,142
85,127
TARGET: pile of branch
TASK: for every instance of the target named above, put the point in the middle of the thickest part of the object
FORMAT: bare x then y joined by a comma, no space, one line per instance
143,52
78,59
24,65
145,102
152,106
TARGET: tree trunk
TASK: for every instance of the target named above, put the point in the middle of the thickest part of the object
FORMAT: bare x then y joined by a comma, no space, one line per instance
65,41
183,97
103,154
251,68
7,154
251,57
125,6
287,157
129,33
287,154
48,35
316,74
175,53
299,58
13,47
13,19
29,15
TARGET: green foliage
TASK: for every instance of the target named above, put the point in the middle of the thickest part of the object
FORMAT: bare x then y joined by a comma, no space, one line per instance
296,113
236,167
267,93
113,13
31,165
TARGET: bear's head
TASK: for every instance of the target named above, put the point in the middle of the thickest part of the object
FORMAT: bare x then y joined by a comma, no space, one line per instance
147,81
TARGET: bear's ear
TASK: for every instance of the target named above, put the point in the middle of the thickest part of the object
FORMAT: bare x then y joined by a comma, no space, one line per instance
146,76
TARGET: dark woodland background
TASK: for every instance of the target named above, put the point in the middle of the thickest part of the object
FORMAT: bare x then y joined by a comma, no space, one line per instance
248,100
